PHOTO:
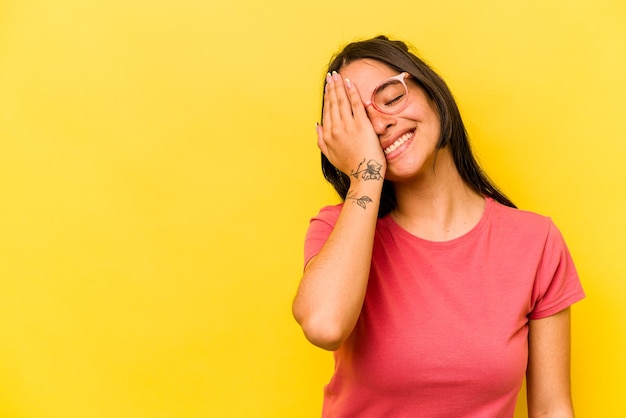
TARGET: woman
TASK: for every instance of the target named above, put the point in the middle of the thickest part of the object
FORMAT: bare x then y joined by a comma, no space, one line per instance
435,293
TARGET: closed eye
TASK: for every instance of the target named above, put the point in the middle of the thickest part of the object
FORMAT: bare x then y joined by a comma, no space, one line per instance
395,100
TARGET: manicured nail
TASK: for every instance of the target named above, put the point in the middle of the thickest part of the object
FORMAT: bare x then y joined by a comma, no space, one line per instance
348,83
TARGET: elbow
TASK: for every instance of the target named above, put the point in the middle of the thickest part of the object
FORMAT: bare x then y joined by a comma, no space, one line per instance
326,337
323,333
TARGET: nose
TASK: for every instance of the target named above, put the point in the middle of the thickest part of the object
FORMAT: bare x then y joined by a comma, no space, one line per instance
380,121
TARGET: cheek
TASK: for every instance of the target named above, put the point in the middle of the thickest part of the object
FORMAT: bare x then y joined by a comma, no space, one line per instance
431,119
427,118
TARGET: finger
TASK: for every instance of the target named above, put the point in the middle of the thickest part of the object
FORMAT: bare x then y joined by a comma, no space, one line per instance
326,119
343,102
320,140
333,107
358,110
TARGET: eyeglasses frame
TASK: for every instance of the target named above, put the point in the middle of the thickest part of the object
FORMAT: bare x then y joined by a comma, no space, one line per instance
400,77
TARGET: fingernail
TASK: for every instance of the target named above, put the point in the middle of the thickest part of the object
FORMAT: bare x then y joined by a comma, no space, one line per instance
348,83
328,77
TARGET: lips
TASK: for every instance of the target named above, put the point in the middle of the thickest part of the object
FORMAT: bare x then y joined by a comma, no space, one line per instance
391,148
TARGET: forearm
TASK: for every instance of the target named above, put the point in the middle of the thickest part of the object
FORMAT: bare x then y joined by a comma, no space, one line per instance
332,289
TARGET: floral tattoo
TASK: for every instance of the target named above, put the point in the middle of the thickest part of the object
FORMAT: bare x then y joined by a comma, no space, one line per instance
361,201
370,172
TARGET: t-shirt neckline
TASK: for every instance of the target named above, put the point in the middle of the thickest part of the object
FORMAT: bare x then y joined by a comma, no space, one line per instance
468,236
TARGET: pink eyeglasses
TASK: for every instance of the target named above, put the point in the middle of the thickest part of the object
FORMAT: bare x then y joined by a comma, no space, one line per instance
391,96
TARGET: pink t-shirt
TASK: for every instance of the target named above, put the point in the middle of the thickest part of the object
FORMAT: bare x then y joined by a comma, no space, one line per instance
444,325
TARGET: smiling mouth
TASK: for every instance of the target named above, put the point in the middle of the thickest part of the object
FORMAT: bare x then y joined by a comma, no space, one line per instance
391,148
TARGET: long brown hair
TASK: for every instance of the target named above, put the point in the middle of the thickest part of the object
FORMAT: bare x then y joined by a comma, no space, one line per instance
396,55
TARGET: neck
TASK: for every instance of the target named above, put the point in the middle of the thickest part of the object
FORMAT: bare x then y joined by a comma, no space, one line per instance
438,205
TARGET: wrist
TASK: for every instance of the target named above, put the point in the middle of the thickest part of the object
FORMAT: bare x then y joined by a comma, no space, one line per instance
368,169
365,191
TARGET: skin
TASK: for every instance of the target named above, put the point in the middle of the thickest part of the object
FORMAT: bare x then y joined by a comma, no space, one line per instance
548,372
433,202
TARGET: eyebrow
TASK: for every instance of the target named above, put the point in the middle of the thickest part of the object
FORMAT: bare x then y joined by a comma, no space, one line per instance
385,84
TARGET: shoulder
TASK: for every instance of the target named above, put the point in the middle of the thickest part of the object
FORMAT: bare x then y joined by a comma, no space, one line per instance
519,221
328,214
320,228
532,234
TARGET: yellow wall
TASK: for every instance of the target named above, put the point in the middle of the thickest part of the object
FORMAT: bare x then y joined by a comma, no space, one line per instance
158,169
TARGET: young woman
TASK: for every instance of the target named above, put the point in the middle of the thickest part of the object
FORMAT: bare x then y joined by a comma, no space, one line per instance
435,293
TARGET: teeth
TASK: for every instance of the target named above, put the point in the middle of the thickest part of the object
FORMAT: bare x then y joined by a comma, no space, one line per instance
391,148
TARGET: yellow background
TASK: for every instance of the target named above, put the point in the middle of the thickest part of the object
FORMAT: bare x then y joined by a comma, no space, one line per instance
158,169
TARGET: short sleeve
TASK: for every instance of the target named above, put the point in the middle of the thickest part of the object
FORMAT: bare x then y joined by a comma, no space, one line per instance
557,285
319,230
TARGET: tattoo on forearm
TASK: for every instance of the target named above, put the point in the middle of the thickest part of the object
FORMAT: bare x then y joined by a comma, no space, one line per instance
361,201
370,172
